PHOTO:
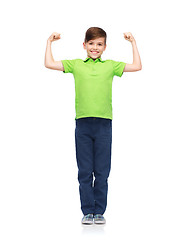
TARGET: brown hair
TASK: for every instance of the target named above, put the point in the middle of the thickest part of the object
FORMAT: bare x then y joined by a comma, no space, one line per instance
93,33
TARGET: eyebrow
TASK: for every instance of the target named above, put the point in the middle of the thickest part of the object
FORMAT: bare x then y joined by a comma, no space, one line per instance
97,42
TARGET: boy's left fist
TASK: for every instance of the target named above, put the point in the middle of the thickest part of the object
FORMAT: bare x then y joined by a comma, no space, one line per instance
128,36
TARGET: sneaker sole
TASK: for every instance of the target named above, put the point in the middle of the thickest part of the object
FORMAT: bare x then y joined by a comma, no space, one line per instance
99,222
87,222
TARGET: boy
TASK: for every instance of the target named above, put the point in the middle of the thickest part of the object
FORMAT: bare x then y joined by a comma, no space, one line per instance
93,104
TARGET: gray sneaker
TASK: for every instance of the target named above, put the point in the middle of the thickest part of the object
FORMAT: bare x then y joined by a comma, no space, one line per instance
99,219
87,219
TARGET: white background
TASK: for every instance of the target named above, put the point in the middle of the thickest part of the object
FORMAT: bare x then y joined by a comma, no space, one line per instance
38,173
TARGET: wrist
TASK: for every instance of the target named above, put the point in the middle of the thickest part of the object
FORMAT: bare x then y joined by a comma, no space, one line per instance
133,42
49,42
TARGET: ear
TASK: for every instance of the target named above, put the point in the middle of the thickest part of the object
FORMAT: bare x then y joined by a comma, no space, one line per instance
84,45
105,47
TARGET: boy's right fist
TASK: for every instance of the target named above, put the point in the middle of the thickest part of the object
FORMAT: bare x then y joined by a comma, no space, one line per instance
55,36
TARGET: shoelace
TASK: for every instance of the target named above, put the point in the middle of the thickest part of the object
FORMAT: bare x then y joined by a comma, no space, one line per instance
99,217
88,216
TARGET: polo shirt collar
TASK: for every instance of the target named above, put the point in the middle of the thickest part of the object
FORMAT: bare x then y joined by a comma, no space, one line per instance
90,59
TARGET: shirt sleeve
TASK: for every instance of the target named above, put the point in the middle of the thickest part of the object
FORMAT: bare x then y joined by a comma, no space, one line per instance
118,68
68,65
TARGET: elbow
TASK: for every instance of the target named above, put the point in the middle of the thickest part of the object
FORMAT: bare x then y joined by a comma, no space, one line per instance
47,65
136,67
139,68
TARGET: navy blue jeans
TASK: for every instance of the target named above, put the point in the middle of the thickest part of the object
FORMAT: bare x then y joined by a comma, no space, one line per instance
93,139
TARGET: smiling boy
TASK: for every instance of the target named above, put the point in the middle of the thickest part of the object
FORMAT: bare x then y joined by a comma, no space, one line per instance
95,47
93,103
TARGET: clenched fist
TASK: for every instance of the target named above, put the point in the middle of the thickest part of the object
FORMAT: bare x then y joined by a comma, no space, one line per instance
55,36
128,36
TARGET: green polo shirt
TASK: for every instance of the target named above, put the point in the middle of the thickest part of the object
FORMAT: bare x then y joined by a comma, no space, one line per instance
93,85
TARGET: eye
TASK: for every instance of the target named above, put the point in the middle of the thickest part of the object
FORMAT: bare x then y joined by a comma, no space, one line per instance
100,44
90,43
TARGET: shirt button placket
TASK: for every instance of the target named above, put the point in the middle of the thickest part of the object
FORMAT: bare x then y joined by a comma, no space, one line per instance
94,69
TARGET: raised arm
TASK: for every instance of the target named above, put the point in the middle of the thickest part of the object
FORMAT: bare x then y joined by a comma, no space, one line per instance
136,65
49,61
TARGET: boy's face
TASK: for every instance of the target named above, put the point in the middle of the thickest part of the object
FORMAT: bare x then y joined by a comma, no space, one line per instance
95,47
